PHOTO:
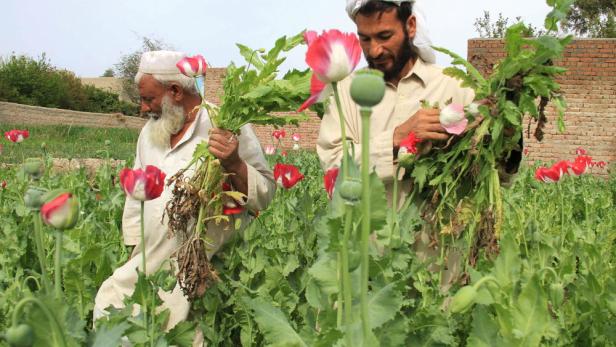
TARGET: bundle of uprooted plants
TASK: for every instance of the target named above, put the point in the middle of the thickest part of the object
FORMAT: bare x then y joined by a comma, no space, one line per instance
250,93
461,181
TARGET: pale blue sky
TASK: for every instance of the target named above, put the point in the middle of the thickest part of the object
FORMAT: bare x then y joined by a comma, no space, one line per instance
87,36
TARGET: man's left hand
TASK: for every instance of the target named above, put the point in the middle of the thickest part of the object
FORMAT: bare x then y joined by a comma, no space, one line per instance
224,146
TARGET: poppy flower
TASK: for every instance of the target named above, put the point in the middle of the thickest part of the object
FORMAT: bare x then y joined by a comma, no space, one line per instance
61,212
296,137
192,66
453,119
332,56
279,134
270,149
408,149
580,151
287,175
143,185
329,180
17,136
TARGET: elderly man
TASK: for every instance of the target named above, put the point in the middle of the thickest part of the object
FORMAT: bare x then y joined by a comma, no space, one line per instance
394,40
175,127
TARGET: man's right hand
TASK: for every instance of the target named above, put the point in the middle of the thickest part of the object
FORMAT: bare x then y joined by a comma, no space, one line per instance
426,125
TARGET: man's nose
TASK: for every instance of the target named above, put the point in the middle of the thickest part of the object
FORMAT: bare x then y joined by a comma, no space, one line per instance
376,49
145,108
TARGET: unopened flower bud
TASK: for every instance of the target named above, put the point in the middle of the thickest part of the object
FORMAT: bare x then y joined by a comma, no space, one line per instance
368,87
350,191
463,300
33,198
34,167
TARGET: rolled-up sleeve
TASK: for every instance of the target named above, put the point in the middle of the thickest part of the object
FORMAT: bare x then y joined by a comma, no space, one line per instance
261,184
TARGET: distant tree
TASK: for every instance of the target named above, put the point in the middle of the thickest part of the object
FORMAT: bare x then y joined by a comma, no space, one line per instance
37,82
486,29
592,18
127,68
108,73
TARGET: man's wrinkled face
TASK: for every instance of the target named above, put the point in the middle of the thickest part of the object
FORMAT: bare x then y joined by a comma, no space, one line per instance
385,42
166,118
151,93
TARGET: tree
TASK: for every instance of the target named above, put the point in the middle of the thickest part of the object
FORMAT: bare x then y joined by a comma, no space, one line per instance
486,29
108,73
128,66
592,18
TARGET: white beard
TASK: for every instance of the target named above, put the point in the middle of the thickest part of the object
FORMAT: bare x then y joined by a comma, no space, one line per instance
169,122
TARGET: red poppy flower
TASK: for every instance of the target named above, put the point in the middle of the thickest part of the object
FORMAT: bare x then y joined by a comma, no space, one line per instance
192,66
279,134
329,180
287,175
549,175
143,185
580,151
17,135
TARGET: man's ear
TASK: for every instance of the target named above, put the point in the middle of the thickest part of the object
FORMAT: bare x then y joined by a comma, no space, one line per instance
177,92
411,26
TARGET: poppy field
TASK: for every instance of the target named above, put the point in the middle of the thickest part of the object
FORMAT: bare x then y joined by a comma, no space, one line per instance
550,281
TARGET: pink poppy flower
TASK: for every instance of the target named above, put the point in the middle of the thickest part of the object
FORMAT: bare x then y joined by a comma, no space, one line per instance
287,175
270,149
296,137
453,118
329,180
333,55
17,135
143,185
61,212
192,66
319,91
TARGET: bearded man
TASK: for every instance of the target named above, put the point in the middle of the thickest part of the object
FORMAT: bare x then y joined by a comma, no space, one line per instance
394,39
168,140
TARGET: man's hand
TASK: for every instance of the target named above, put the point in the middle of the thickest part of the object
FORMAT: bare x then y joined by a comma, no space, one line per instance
224,146
426,125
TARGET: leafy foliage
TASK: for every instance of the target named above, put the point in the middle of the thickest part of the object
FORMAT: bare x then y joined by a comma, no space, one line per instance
36,82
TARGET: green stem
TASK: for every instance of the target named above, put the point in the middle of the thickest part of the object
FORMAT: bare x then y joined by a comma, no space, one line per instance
346,278
562,216
142,239
56,328
365,221
345,146
40,248
484,280
58,265
339,307
394,206
144,306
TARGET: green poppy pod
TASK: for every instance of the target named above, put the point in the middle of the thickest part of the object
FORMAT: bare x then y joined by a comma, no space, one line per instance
368,87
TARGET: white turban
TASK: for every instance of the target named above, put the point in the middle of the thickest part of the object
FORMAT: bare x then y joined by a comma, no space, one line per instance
422,37
160,62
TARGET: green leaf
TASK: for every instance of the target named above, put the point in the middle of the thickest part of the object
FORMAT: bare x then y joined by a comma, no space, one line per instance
182,334
507,264
109,336
325,273
530,314
484,331
384,304
274,325
251,56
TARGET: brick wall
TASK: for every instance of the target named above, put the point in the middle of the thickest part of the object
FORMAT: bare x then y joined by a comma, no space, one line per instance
589,87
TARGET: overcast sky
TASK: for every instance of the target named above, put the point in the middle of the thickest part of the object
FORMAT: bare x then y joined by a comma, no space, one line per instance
89,36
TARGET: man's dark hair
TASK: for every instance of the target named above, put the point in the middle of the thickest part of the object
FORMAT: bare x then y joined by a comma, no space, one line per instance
404,10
